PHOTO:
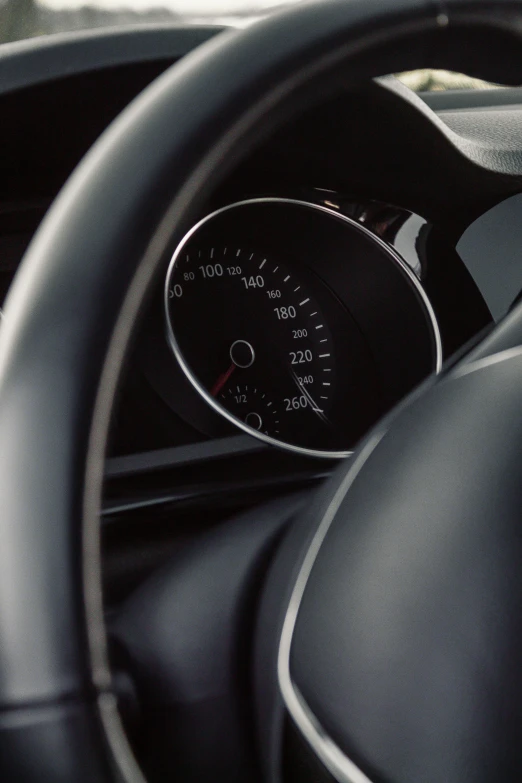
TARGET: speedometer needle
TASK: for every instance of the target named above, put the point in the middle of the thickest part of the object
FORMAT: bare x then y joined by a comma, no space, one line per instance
222,380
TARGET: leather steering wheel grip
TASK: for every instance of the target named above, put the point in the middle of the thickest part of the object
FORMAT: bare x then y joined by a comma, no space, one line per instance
76,300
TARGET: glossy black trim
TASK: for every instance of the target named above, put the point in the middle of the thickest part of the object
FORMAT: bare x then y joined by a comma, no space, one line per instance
130,464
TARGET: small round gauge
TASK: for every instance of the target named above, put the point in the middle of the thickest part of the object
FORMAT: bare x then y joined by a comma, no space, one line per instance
251,405
296,325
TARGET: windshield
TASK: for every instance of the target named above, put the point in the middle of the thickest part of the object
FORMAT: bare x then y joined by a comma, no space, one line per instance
26,18
20,19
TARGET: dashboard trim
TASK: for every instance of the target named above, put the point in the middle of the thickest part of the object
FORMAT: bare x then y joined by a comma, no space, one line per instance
214,404
27,63
176,456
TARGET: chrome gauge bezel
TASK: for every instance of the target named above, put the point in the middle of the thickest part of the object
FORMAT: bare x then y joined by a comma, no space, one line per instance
211,401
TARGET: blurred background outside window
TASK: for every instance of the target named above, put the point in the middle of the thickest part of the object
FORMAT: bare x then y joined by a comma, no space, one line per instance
20,19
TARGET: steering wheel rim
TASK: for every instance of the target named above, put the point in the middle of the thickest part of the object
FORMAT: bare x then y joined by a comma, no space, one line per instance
76,299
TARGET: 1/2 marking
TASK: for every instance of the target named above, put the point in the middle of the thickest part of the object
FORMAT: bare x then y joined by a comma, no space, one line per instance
262,263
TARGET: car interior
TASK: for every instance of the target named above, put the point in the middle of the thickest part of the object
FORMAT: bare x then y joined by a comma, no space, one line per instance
260,400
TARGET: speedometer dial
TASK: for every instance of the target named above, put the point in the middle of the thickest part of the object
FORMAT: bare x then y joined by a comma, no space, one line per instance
251,323
296,324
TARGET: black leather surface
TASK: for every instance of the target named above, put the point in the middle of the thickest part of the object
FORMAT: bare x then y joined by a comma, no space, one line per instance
75,300
408,637
62,738
490,139
185,638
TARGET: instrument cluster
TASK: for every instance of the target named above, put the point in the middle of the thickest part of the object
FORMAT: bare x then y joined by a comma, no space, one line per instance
295,323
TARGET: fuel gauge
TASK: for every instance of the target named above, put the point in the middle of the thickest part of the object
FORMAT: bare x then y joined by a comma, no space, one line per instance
251,405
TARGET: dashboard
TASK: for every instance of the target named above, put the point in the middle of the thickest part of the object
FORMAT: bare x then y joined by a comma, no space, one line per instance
347,259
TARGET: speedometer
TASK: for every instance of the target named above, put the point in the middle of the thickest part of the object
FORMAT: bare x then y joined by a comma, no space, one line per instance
262,336
255,332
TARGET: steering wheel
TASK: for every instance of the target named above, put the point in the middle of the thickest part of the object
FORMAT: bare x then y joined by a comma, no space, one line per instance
387,640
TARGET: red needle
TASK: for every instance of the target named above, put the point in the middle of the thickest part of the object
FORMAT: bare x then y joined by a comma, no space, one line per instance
222,380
